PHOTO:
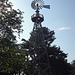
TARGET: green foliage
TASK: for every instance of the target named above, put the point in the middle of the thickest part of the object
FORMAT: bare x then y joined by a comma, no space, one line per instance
73,67
46,38
58,61
73,62
10,18
57,58
12,59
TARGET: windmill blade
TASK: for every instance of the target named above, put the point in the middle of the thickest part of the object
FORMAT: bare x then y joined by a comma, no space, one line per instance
46,6
33,5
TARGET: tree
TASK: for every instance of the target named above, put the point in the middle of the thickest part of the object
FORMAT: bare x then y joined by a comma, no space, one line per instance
58,61
10,19
57,58
73,67
12,59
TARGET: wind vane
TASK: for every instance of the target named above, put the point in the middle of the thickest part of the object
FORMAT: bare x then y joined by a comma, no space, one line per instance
39,4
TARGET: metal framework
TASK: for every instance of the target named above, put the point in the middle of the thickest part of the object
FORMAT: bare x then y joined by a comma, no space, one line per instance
39,55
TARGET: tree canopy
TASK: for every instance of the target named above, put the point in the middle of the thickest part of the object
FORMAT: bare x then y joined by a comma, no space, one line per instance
10,19
42,42
73,67
12,58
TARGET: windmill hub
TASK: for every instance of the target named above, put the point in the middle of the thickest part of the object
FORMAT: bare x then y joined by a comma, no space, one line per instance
37,4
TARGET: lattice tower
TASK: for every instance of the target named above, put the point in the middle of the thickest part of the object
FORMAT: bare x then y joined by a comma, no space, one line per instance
38,52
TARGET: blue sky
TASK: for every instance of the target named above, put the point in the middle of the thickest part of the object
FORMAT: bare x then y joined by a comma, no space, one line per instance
60,18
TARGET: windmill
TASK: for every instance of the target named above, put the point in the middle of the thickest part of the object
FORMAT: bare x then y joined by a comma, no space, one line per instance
39,50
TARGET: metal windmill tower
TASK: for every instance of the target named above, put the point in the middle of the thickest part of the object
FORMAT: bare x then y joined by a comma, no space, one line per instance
38,52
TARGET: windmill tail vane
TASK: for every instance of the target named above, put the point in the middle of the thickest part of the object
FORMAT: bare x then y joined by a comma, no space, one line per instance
46,6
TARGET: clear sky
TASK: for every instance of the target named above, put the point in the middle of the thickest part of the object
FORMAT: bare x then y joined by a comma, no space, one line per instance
60,18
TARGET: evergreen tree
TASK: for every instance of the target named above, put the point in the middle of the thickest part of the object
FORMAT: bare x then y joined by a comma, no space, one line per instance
73,67
58,61
57,58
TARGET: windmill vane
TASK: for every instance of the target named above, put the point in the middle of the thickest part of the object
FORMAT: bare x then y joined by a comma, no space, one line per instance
39,4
